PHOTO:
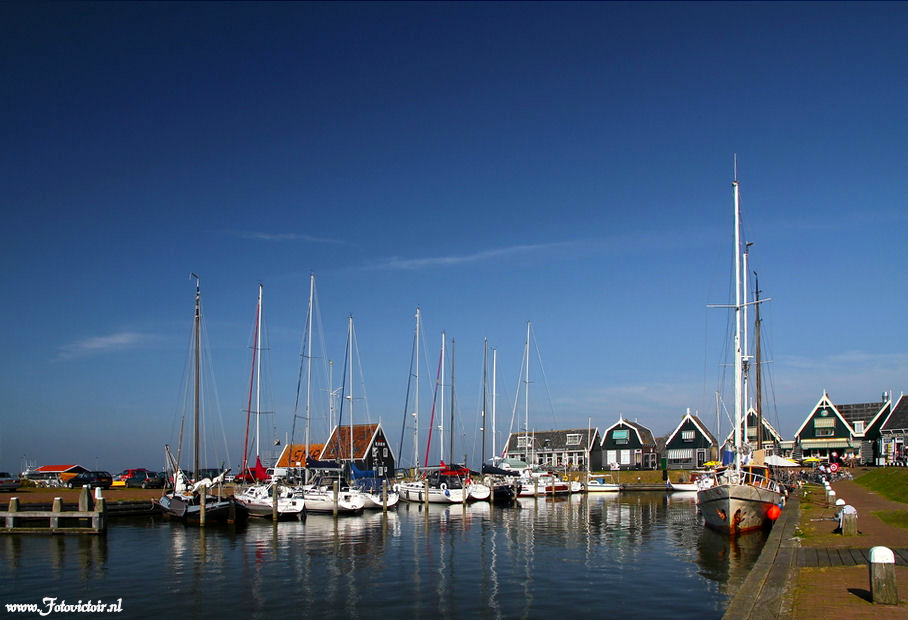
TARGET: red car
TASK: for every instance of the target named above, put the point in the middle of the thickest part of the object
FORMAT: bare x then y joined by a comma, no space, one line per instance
127,473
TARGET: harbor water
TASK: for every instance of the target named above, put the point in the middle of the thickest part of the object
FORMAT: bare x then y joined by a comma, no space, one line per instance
621,556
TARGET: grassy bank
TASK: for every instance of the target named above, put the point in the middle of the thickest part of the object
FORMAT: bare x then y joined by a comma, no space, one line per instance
890,482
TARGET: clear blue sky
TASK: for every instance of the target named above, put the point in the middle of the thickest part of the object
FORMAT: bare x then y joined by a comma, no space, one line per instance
565,164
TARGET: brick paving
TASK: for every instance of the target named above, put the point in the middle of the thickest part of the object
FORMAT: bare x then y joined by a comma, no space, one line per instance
831,577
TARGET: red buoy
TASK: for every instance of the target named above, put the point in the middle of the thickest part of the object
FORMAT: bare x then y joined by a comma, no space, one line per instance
774,512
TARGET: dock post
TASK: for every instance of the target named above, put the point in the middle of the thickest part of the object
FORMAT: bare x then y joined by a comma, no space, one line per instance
202,497
384,496
13,507
274,492
426,487
83,499
58,507
99,521
336,496
882,577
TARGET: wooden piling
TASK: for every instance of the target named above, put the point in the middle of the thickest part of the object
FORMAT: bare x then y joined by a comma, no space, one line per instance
13,507
882,577
384,496
83,499
202,497
58,507
336,497
850,524
426,488
274,493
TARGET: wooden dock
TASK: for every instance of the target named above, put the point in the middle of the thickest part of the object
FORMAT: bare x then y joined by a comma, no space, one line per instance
56,520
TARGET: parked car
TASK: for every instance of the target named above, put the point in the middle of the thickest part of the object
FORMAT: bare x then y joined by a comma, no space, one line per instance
145,480
7,482
126,473
91,479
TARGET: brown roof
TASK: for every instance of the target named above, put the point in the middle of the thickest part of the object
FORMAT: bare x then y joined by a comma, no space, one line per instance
338,445
297,454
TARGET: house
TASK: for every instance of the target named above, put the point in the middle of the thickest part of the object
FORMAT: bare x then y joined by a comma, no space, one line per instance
294,455
564,448
893,444
61,473
630,445
369,447
844,431
772,440
690,445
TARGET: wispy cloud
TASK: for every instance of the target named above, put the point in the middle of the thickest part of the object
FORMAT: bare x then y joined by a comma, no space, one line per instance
101,344
280,237
462,259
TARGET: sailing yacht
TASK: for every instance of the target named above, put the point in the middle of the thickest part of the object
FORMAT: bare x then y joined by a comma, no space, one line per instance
192,502
741,498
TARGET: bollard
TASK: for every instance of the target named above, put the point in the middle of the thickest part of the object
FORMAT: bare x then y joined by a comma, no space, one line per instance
882,577
99,521
83,499
850,523
58,506
13,507
830,497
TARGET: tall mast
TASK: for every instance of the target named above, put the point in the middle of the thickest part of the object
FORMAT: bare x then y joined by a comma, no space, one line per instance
441,413
309,367
416,401
197,363
758,369
494,398
485,372
258,375
745,357
350,354
526,402
451,432
739,359
255,339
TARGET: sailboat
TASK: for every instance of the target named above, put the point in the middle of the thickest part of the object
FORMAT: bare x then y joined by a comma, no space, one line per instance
258,498
320,494
500,482
742,497
441,484
188,502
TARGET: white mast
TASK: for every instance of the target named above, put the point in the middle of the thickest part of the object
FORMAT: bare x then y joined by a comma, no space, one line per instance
441,417
494,396
309,367
258,376
526,403
745,359
416,401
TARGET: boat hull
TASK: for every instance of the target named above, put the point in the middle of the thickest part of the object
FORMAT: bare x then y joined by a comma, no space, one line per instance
737,508
189,510
416,492
374,500
323,502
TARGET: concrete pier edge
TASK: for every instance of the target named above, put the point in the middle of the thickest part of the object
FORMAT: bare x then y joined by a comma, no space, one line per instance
766,592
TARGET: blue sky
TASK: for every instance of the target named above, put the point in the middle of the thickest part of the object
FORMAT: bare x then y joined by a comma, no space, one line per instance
565,164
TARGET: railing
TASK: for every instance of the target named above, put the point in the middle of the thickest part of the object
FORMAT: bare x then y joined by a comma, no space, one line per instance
730,476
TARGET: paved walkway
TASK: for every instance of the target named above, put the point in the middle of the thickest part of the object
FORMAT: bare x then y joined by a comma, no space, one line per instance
824,574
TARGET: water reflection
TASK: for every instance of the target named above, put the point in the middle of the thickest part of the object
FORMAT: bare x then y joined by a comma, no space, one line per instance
525,560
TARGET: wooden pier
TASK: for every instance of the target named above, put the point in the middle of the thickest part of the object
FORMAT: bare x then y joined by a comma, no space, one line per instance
57,520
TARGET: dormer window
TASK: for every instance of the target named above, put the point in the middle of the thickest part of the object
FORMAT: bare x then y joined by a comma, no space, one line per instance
859,427
620,436
573,439
687,435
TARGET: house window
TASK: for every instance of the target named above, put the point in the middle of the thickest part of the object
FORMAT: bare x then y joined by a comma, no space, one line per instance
385,452
687,435
523,441
573,439
825,432
859,426
620,437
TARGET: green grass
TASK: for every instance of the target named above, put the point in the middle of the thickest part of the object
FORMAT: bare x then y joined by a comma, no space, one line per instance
897,518
890,482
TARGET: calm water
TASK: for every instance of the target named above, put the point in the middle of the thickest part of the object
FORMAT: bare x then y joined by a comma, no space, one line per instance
627,555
